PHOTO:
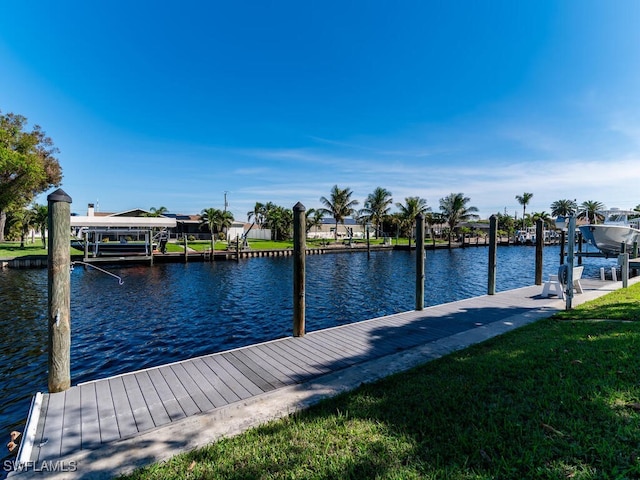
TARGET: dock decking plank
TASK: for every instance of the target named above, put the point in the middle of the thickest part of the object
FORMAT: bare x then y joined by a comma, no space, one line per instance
320,342
168,399
51,443
124,412
209,390
90,437
109,430
260,376
307,355
269,357
241,385
198,396
187,404
141,413
280,348
72,422
274,368
218,383
155,406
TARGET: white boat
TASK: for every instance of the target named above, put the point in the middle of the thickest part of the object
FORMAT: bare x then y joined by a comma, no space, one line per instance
616,230
525,236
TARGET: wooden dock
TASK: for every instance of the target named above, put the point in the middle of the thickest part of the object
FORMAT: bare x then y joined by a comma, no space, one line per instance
111,425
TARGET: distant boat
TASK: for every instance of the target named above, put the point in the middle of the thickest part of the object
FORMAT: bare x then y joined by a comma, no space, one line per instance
526,236
616,230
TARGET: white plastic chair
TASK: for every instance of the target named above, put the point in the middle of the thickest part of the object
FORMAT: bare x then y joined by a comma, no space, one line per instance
555,285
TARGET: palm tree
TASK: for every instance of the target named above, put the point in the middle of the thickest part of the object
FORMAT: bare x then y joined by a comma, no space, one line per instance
280,221
410,210
257,214
563,208
40,218
314,219
524,200
209,219
339,205
26,219
589,210
377,207
544,216
157,212
454,208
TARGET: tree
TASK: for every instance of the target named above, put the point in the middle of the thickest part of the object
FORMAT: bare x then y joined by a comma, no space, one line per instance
454,208
215,220
26,222
589,210
563,208
27,164
524,200
156,212
409,211
339,205
258,214
313,219
544,216
377,207
40,215
280,221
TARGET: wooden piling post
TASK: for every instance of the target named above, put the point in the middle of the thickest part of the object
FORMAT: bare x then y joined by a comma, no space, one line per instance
579,248
493,254
299,274
420,261
186,248
563,237
59,291
368,243
539,249
237,248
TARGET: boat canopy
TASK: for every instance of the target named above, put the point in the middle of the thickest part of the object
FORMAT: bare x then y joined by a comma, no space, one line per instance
123,222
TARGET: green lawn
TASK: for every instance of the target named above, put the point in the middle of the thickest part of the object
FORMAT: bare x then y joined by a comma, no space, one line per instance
12,249
558,399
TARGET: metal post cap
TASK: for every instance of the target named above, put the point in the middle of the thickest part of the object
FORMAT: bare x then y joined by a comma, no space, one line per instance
59,196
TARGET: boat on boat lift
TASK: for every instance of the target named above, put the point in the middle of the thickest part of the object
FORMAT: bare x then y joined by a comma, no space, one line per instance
617,229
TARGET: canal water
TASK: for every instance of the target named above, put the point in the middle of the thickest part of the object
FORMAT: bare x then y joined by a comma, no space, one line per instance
172,312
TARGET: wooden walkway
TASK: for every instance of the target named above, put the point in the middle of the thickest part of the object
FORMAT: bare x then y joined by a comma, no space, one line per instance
107,411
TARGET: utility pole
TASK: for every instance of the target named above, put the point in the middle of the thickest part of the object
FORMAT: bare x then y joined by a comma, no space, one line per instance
225,200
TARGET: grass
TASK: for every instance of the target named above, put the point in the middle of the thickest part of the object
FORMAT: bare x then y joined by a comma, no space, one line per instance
12,249
556,399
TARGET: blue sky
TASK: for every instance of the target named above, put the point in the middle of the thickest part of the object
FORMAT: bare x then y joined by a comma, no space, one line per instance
174,103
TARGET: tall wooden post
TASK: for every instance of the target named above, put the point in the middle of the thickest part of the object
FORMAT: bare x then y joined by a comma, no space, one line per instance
237,248
59,290
493,254
579,248
186,249
368,243
539,249
420,261
299,274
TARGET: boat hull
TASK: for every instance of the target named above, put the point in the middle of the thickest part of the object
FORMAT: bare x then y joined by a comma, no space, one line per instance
609,238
